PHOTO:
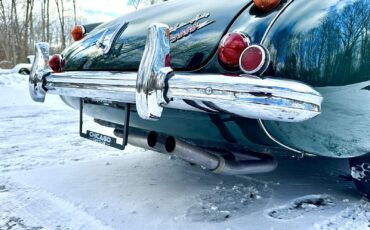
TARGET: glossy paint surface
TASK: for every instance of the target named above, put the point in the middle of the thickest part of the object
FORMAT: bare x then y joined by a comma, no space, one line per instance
326,44
189,52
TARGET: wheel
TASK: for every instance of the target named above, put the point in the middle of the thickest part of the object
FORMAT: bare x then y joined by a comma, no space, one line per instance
24,71
360,172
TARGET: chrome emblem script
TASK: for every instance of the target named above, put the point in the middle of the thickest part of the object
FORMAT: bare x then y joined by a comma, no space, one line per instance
189,27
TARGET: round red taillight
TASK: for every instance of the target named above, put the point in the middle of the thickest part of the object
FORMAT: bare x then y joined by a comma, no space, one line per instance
254,60
57,63
78,32
266,5
231,47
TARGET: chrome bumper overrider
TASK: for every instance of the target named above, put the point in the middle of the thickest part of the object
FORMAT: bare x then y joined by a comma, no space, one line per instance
155,86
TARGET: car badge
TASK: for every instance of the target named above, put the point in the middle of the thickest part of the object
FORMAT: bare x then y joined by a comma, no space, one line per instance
190,27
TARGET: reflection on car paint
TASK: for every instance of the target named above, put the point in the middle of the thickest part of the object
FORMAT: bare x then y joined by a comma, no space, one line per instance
329,49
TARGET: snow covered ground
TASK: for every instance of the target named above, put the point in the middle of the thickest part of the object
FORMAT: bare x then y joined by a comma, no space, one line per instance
50,178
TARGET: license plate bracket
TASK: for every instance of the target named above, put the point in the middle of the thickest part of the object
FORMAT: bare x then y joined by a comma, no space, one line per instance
102,138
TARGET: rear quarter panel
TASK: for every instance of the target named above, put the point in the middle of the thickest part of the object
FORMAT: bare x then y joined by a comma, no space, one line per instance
326,44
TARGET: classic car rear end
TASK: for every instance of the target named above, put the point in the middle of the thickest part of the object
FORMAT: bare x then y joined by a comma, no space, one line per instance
212,82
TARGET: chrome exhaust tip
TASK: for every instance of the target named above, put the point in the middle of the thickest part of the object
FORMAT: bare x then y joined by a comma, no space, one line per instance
156,142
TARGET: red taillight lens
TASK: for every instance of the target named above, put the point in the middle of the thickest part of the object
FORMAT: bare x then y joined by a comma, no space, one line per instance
231,47
254,60
57,63
168,61
266,5
78,32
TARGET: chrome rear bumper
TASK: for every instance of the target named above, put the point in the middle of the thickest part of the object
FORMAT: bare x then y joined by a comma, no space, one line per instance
155,87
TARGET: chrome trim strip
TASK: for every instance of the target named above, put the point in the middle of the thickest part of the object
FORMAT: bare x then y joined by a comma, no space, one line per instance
260,122
263,127
274,20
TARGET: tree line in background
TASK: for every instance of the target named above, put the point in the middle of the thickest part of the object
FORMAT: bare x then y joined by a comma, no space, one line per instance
22,23
137,3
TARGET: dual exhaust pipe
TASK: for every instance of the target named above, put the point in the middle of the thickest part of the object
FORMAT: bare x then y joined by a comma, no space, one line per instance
215,162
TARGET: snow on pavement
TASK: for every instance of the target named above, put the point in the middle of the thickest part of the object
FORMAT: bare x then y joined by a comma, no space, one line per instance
35,135
11,79
40,209
356,217
50,178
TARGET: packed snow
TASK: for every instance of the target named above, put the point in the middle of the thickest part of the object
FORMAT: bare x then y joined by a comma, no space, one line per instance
50,178
301,206
360,172
10,80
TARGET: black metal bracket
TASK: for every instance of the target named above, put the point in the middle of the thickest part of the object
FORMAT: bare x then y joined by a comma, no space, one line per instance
104,139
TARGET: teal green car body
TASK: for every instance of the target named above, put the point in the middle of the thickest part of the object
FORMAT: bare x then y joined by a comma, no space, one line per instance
322,43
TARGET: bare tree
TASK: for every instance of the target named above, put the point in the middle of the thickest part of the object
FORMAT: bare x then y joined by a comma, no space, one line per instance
4,36
45,20
136,3
15,33
28,27
48,20
24,22
74,12
60,8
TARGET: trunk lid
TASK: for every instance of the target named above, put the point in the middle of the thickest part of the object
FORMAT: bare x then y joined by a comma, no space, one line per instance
196,29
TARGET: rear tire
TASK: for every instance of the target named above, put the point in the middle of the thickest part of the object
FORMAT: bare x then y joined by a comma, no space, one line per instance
360,172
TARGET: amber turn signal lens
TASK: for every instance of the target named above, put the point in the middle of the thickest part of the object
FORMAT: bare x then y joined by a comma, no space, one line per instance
57,63
231,47
266,5
78,32
168,32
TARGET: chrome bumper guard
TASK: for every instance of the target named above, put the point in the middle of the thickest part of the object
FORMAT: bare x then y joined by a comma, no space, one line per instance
155,86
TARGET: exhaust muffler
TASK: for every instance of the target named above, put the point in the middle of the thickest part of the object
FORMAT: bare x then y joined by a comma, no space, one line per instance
258,163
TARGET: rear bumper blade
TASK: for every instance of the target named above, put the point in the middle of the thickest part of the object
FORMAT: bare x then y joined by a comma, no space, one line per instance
155,87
